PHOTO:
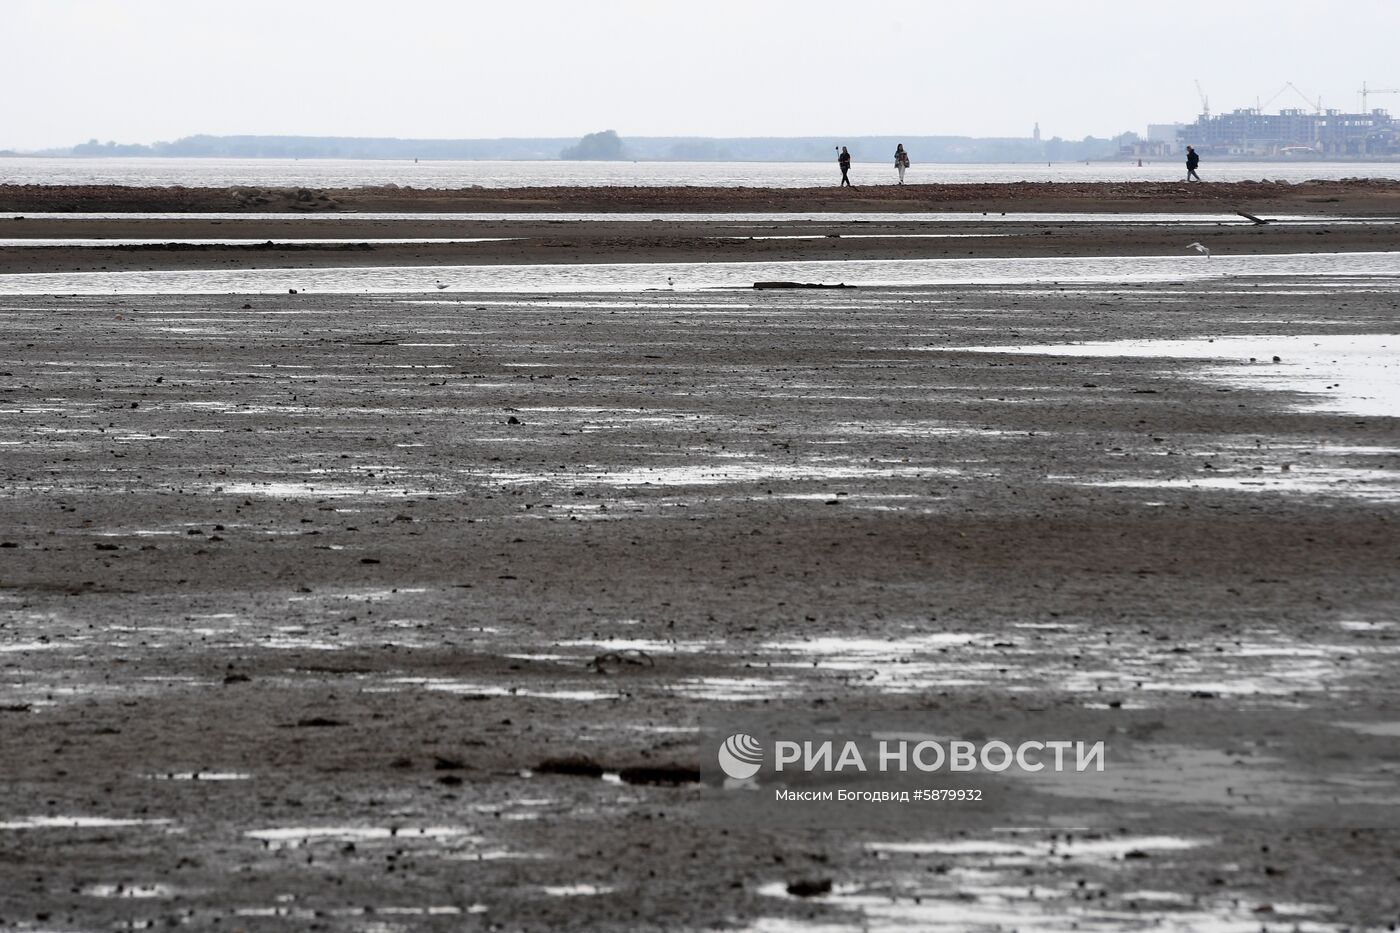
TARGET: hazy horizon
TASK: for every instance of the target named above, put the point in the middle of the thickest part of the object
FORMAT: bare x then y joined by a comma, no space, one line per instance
143,71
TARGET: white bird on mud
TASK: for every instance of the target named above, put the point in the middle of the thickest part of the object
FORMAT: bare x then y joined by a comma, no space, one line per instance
1199,248
441,286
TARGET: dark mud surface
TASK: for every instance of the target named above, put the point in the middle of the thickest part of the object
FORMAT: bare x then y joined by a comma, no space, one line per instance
291,242
1371,194
297,593
533,241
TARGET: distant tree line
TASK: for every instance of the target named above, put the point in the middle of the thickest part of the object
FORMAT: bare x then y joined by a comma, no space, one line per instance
608,145
597,147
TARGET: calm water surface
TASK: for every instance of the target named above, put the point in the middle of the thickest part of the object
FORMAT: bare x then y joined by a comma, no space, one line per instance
1370,269
346,173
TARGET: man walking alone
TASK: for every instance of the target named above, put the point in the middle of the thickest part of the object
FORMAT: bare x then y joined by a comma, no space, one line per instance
1192,160
844,160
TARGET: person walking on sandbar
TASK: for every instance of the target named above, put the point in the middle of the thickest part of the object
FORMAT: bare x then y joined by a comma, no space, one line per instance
844,160
1192,160
901,161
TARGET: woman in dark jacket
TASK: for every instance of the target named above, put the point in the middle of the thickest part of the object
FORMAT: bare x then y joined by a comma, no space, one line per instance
1192,160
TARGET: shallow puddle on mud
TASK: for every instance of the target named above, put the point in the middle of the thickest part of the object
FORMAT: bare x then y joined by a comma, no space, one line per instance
292,490
292,837
78,822
1127,669
732,689
645,645
40,242
1387,729
576,890
1373,485
201,776
995,908
854,236
732,470
1080,848
1356,373
631,277
981,886
1362,625
1322,471
890,665
315,916
479,688
132,891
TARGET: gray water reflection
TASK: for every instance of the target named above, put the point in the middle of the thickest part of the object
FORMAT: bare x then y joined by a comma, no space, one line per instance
632,277
1357,373
342,173
244,241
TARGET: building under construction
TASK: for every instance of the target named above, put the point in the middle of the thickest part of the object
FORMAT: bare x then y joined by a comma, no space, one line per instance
1328,134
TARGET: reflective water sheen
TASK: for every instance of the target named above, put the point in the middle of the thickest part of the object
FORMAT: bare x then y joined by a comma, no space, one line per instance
628,277
1341,372
227,241
350,173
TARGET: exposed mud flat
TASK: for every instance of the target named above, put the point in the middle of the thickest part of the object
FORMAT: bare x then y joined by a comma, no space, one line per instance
298,592
1329,196
142,241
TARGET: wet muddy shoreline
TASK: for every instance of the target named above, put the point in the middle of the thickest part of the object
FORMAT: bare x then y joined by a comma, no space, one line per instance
173,244
299,591
589,225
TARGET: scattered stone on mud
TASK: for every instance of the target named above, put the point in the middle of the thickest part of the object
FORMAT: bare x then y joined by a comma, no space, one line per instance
441,763
570,765
611,661
809,887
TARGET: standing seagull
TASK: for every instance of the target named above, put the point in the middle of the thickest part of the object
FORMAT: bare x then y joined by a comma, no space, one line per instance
1199,248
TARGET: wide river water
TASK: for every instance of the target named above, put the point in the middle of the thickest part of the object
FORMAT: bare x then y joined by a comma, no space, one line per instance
346,173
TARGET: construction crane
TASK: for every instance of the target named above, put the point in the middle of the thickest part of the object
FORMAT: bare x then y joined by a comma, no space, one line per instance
1365,92
1205,101
1316,105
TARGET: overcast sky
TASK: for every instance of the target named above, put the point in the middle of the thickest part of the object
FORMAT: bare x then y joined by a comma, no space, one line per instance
148,70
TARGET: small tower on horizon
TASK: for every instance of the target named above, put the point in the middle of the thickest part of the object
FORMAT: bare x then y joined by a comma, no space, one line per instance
1035,134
